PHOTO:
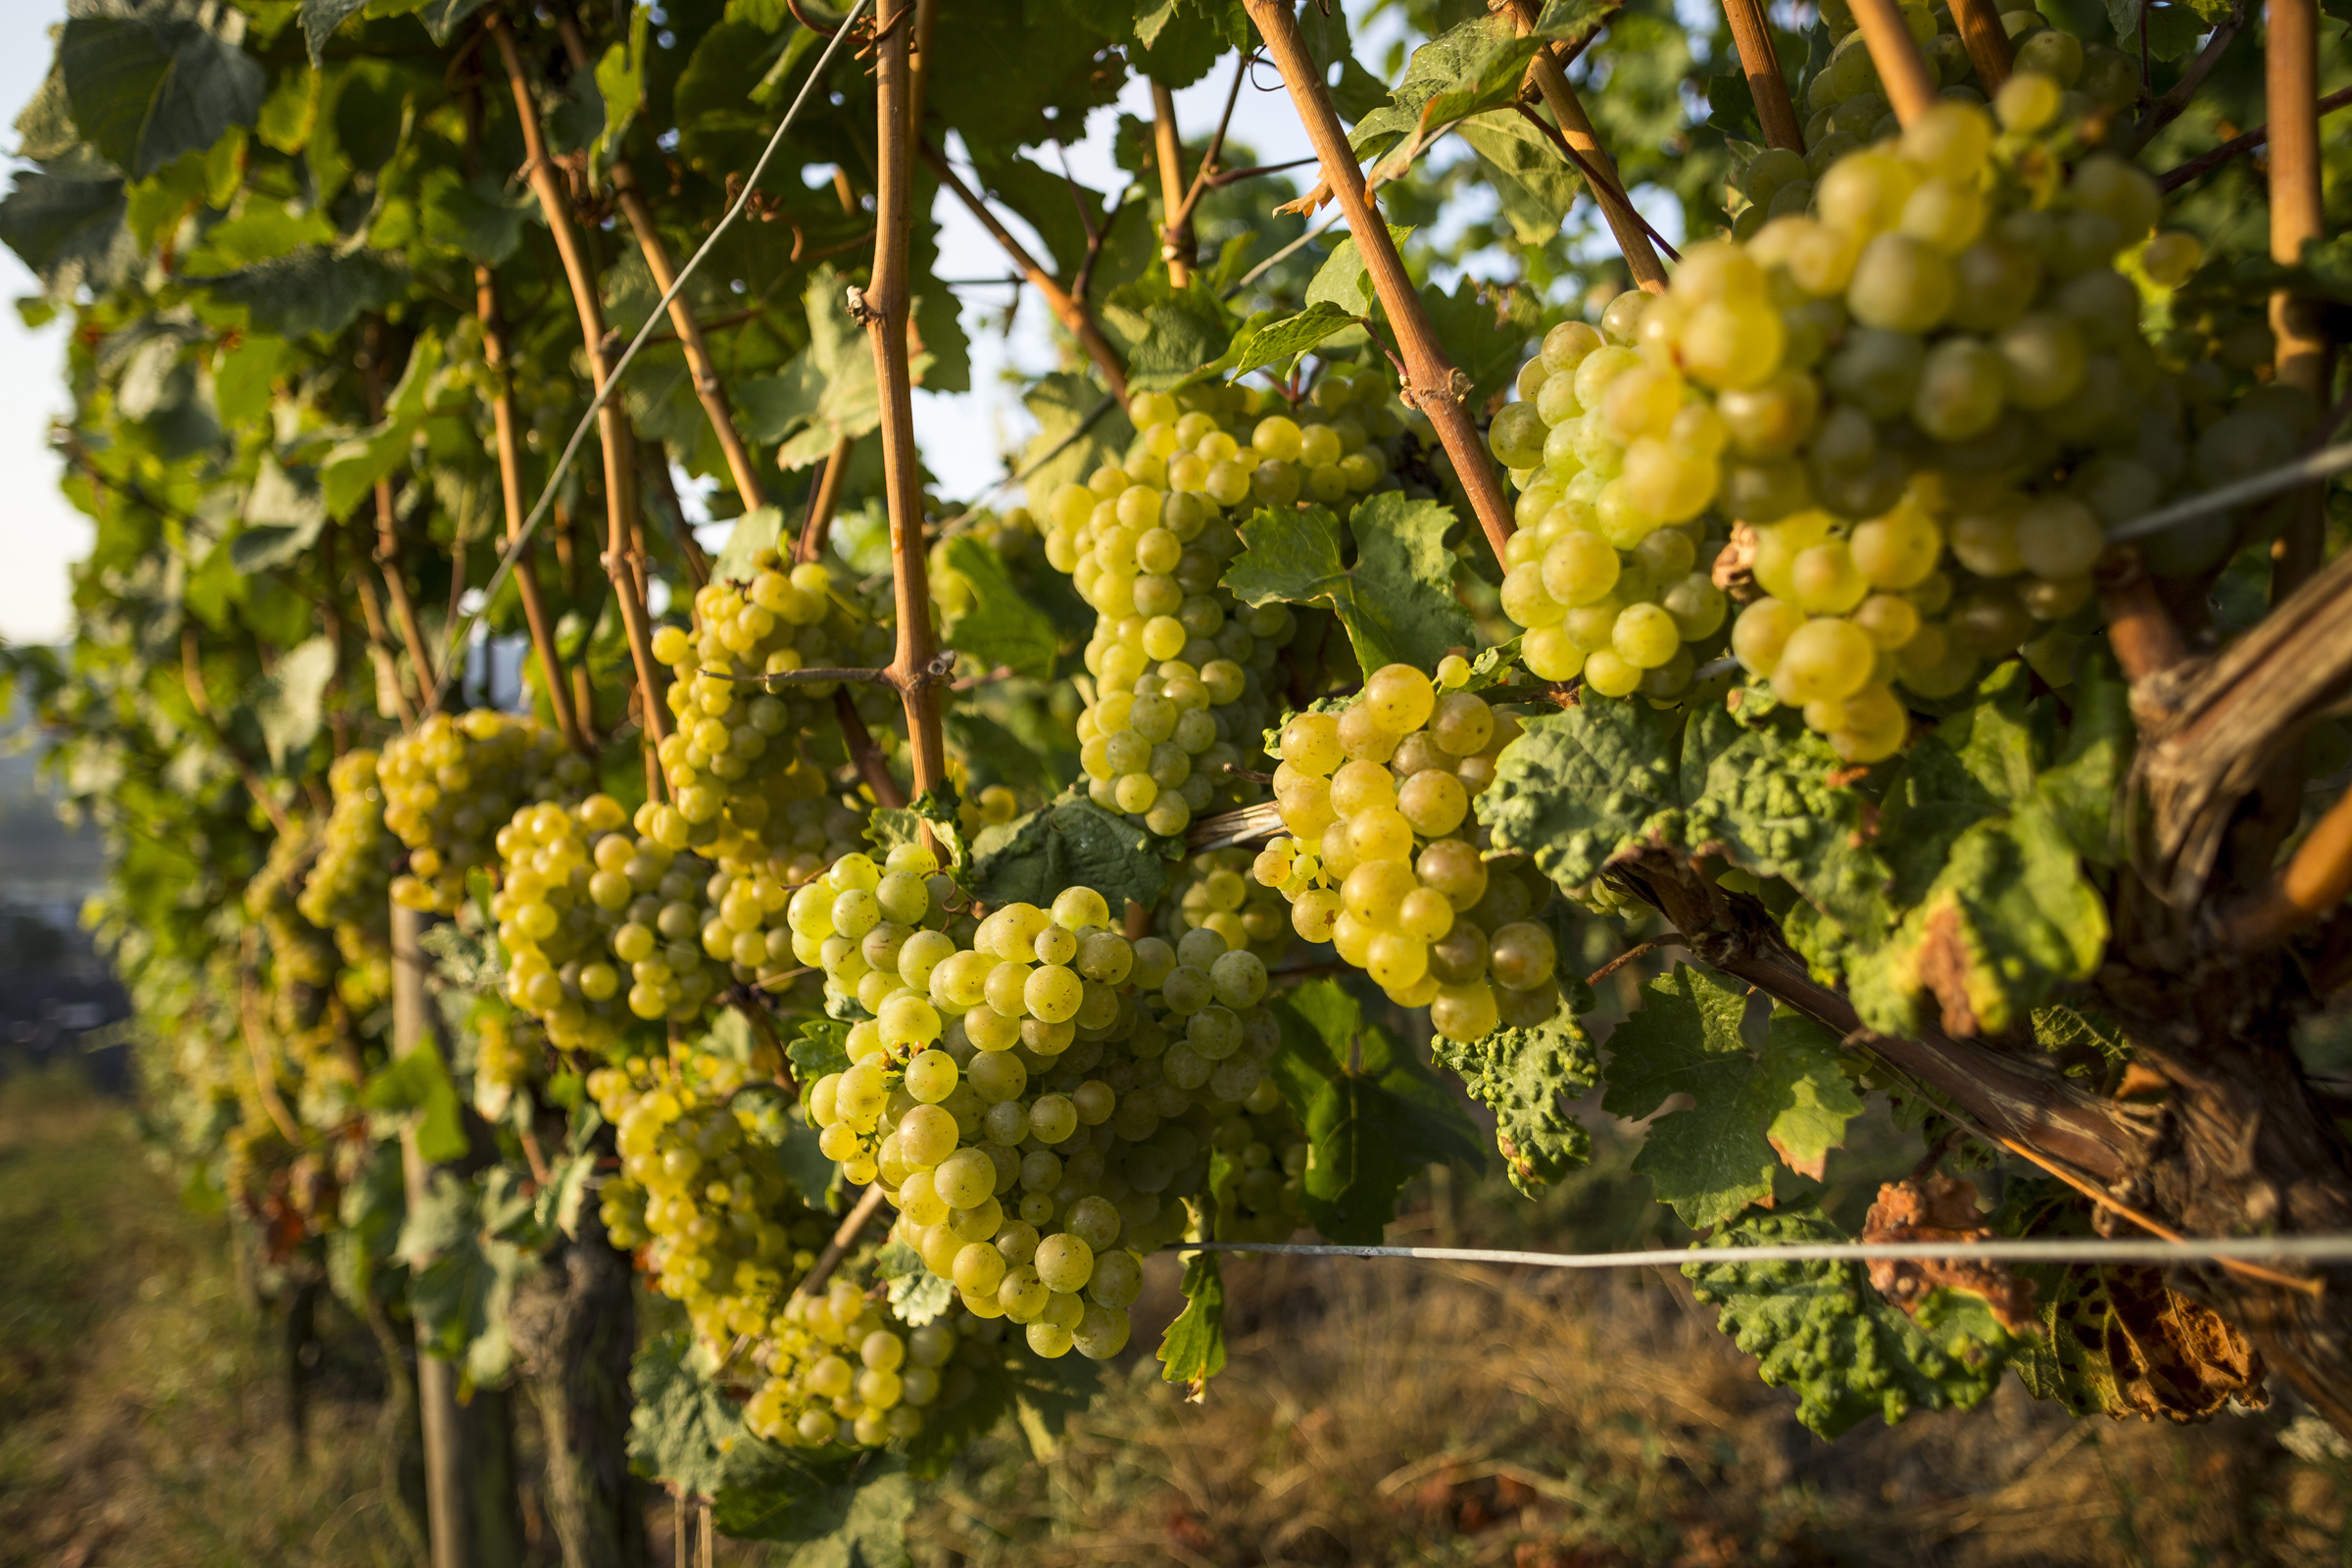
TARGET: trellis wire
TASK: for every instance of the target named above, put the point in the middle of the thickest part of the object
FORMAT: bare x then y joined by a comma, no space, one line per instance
2320,464
2055,1249
654,319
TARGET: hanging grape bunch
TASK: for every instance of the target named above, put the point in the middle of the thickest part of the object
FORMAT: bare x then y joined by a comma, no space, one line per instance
1924,402
1038,1104
1215,890
740,793
601,926
703,1194
346,886
1258,1189
1382,860
841,1370
450,784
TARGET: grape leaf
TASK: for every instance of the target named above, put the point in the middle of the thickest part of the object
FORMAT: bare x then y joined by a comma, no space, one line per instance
2082,786
1785,1104
916,1295
1476,337
466,1246
1757,793
150,84
1280,343
828,390
820,1047
1071,406
855,1520
1000,626
756,532
1529,1077
1533,184
419,1082
1343,279
70,233
313,289
1396,601
1819,1329
1582,784
1072,843
1193,1350
1166,335
1375,1116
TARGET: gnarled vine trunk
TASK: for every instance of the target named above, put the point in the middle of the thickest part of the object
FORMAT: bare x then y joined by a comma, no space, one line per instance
574,1327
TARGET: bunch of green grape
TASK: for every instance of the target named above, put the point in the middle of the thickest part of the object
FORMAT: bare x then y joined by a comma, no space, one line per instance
1038,1102
346,889
732,764
450,783
993,806
301,954
599,926
1258,1189
1924,402
1382,858
1215,890
702,1194
842,1371
1847,109
1178,664
507,1055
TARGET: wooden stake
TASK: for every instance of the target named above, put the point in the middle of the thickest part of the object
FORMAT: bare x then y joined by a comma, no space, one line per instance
884,308
1903,69
612,427
1761,63
1432,384
2291,85
1986,40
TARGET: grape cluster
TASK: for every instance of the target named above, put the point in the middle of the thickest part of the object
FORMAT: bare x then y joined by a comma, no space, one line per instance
1037,1099
703,1191
1382,859
449,784
507,1056
347,885
1922,402
599,926
741,795
841,1371
1257,1189
1217,891
1178,664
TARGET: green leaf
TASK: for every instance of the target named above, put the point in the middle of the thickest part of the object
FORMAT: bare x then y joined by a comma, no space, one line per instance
1757,795
1396,601
826,393
1375,1116
1165,336
290,699
1072,843
755,534
1000,626
1534,185
1343,279
283,515
916,1295
348,475
321,19
859,1521
70,233
313,290
1785,1104
149,86
1193,1350
2081,788
467,1247
1062,402
478,219
1530,1078
418,1083
1820,1330
621,81
1283,343
1731,109
821,1048
1583,784
1482,345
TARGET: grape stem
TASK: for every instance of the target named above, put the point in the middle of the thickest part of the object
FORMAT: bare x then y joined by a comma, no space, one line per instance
1071,310
2206,162
1633,233
2167,107
1435,386
853,1225
934,674
1760,62
509,439
1671,939
1204,178
1177,245
622,562
387,531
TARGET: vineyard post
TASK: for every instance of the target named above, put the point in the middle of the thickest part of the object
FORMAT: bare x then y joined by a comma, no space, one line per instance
883,307
1760,62
1576,129
2290,81
1903,69
1433,384
447,1493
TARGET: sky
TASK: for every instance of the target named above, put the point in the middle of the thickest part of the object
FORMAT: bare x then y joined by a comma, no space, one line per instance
963,437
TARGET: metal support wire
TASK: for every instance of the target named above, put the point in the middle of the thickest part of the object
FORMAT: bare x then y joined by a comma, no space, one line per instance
2048,1249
